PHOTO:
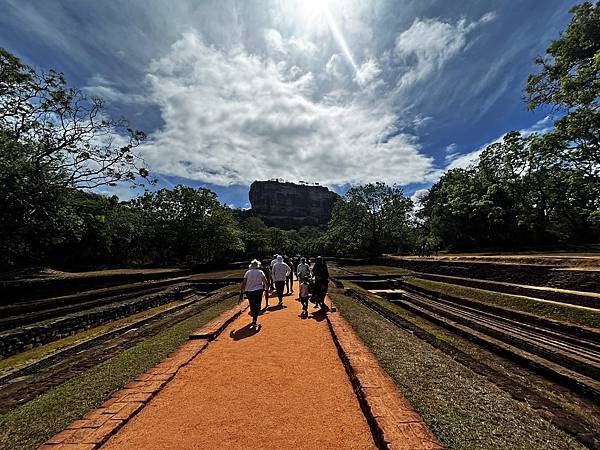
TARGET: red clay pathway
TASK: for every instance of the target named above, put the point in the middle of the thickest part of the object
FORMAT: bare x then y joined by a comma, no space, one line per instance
281,387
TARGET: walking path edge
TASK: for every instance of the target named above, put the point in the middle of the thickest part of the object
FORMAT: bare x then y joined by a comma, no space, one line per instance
393,422
97,426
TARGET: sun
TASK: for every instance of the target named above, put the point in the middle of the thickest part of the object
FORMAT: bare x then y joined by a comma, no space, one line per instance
310,11
314,6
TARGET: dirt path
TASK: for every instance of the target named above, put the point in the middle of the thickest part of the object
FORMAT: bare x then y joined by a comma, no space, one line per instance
281,387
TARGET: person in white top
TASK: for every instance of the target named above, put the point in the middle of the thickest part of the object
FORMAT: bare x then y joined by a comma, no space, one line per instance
303,269
279,274
273,261
253,285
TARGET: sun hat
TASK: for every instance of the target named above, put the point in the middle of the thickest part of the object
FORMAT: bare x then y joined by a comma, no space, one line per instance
255,263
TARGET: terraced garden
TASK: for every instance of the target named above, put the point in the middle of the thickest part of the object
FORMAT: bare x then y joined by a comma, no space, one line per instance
69,351
536,342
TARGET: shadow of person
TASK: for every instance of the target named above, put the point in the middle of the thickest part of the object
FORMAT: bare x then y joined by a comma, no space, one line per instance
320,314
277,307
244,332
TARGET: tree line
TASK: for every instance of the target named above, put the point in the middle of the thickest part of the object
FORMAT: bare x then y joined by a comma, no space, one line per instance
57,145
539,189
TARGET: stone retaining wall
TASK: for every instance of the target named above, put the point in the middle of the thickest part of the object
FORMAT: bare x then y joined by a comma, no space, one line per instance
17,341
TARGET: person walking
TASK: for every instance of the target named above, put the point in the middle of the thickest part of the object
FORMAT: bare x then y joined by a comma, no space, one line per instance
321,274
303,269
271,283
266,269
253,286
279,273
289,281
304,295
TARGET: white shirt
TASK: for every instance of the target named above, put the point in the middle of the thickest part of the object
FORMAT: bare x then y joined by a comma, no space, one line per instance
273,262
280,271
254,280
303,270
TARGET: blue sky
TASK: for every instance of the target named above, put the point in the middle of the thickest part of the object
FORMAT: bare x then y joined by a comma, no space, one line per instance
338,92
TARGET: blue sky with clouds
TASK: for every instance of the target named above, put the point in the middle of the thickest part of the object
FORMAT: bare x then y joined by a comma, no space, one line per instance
338,92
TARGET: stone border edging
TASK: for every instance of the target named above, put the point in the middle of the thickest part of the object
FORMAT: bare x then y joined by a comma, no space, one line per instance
395,425
216,326
97,426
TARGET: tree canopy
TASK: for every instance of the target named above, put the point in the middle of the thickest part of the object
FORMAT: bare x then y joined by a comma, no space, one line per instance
537,189
372,219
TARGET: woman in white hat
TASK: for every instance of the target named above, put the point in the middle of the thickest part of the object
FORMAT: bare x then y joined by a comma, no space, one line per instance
253,285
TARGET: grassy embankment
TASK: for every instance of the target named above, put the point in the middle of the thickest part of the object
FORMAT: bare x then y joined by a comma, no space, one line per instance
554,311
33,423
463,409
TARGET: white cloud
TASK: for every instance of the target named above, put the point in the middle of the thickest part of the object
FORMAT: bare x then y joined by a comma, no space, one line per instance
428,44
231,117
367,72
462,161
336,67
417,196
274,41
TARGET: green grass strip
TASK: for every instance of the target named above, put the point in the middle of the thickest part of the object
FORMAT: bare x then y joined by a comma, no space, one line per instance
549,310
32,424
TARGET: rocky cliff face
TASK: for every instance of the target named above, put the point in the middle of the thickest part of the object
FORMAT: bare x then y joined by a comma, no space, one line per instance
289,205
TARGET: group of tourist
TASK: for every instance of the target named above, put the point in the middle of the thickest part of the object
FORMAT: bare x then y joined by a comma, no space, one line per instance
273,277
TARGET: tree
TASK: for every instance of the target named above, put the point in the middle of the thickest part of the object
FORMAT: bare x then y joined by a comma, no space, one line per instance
569,81
61,130
187,225
372,219
53,139
569,76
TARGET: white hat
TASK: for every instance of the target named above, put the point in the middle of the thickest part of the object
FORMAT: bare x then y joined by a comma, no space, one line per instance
255,263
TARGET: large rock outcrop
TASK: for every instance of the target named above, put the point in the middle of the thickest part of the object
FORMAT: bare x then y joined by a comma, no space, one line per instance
289,205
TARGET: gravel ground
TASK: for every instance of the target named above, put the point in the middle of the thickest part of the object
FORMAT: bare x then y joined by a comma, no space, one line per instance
463,409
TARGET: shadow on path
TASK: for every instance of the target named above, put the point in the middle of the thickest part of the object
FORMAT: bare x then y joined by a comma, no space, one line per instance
320,314
276,307
244,332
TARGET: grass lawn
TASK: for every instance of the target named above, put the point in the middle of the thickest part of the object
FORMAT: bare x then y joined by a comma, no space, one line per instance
549,310
36,421
463,409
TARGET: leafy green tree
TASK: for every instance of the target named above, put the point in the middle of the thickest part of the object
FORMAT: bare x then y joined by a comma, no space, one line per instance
53,139
64,131
534,190
372,219
187,225
569,76
569,81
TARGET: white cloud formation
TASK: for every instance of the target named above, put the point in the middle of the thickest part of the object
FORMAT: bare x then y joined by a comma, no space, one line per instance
367,72
462,161
417,196
231,117
429,43
336,67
